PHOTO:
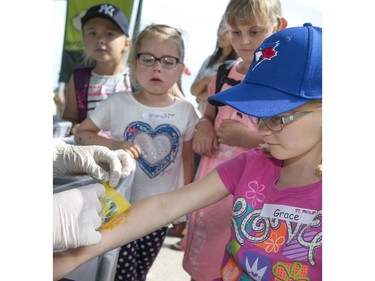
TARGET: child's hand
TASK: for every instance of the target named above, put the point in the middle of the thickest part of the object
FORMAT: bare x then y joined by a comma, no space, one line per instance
234,133
204,141
134,150
229,132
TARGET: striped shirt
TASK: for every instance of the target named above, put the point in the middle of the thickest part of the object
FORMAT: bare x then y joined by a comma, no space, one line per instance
102,86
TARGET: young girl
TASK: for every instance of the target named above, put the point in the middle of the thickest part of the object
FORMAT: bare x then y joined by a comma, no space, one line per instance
106,42
277,206
156,126
223,51
224,133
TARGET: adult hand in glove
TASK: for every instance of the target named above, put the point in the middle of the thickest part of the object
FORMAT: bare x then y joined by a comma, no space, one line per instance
76,217
97,161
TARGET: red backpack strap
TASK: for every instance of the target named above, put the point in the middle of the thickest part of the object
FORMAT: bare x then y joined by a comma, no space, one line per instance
81,84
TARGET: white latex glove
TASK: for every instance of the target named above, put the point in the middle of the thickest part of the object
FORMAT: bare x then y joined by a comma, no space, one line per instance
97,161
76,217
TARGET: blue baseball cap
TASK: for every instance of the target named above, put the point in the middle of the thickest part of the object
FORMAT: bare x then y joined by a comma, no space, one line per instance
109,12
285,73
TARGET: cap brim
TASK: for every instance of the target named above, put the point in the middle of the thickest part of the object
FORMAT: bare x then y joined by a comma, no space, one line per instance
256,100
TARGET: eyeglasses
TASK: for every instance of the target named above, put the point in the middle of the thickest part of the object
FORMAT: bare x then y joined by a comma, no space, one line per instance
276,123
167,62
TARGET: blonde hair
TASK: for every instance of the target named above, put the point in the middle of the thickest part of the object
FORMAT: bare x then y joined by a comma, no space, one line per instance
314,104
153,30
244,11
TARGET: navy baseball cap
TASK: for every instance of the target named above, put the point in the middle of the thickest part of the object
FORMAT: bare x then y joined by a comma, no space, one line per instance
285,73
110,12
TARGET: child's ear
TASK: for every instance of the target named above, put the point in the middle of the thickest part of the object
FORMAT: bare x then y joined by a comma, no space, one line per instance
181,68
282,23
127,45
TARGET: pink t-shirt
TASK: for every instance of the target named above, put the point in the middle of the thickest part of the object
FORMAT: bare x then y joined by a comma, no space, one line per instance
223,151
209,228
276,233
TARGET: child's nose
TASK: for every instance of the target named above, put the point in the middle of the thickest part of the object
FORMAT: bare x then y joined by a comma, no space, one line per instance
262,128
157,65
245,39
100,40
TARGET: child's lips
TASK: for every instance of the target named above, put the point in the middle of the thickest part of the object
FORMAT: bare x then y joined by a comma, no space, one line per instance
270,144
247,51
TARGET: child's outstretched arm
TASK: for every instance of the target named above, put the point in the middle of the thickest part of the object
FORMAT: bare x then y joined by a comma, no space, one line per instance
142,218
88,134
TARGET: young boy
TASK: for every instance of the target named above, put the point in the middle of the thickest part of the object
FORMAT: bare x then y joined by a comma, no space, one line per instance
105,36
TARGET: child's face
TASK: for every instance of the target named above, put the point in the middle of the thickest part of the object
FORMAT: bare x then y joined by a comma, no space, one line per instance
298,138
247,37
157,79
104,41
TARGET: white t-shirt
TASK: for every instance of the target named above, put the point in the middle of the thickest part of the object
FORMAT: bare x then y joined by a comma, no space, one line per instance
158,131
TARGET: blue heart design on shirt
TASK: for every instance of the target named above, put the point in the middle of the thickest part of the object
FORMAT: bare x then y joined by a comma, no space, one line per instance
159,146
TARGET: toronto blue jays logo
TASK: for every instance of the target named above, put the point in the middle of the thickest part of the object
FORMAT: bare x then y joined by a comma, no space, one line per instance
266,51
159,145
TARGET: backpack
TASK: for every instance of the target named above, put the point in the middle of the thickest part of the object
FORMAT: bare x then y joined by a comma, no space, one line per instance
222,75
81,84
